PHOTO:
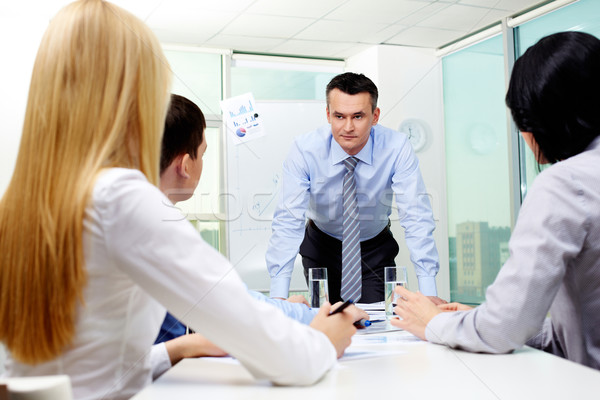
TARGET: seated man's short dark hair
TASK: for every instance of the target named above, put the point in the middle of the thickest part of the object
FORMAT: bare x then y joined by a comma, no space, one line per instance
184,131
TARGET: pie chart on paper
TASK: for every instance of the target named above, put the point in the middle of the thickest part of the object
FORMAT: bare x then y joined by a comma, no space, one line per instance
241,132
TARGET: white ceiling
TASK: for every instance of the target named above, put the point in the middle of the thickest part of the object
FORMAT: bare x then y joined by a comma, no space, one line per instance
319,28
322,28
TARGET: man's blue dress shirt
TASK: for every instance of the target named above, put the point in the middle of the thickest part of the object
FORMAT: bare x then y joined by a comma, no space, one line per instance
312,188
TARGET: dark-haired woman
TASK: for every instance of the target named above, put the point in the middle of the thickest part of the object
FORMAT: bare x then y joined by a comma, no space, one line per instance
554,263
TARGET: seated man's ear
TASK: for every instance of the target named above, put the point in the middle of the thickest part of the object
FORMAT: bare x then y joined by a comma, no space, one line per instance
183,165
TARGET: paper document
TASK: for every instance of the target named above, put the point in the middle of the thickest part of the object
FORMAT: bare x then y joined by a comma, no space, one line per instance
243,121
379,321
379,306
356,354
378,326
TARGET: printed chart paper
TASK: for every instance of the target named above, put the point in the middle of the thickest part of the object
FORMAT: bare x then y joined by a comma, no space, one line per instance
242,118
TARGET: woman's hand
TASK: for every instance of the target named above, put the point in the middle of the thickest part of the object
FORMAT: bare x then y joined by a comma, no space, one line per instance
436,300
454,307
357,313
415,311
339,327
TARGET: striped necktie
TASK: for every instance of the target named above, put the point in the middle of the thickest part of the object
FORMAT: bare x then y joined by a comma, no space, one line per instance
351,260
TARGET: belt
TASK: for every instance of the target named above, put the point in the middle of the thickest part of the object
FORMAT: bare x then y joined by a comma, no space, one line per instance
375,238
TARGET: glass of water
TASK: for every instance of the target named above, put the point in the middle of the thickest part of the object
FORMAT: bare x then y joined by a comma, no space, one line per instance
393,276
318,291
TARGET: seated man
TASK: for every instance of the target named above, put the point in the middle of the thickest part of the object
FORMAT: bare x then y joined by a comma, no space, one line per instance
183,146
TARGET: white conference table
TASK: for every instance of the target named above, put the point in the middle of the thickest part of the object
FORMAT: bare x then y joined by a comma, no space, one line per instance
392,365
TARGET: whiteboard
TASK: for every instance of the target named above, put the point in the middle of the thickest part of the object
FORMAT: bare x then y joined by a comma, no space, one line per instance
253,183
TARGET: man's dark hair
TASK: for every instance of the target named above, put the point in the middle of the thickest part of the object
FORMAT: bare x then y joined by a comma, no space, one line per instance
351,83
184,131
554,93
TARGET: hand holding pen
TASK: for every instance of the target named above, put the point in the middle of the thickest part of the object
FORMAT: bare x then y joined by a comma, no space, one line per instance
339,328
361,323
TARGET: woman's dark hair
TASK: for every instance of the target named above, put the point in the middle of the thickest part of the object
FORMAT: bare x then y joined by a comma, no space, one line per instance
351,83
184,131
554,93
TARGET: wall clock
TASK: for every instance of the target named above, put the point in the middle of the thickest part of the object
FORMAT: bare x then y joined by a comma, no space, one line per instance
417,131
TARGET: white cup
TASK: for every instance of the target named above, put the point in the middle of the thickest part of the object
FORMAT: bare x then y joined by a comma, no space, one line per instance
393,276
318,291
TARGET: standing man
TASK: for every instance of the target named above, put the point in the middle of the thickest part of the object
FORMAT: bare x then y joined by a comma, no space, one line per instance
342,178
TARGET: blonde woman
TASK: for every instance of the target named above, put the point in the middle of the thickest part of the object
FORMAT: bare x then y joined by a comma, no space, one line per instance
92,252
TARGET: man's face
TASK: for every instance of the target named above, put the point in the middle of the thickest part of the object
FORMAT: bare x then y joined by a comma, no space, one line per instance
351,118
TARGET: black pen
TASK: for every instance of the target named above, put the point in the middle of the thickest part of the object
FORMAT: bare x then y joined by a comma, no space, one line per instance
341,308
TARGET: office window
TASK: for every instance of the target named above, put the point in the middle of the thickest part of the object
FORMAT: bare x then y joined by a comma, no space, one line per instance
271,80
476,167
583,16
198,77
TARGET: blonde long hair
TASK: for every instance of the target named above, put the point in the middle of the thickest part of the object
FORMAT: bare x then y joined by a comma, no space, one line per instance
98,97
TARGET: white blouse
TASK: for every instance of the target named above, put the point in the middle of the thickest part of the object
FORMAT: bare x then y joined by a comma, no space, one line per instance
142,256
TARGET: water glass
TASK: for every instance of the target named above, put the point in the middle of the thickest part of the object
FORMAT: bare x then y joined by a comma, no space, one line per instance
318,291
393,276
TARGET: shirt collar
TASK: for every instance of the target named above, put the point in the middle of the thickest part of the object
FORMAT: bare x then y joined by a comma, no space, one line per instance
337,154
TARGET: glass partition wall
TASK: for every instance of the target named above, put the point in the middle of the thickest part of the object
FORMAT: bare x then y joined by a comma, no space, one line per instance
477,147
476,167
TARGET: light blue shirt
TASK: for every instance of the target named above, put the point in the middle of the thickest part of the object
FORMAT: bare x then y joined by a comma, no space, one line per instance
312,187
298,311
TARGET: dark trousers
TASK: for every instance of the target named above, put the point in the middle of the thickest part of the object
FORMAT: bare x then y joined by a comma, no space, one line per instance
319,250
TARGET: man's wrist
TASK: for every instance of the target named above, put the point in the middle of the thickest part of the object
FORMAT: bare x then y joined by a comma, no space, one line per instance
427,285
280,287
